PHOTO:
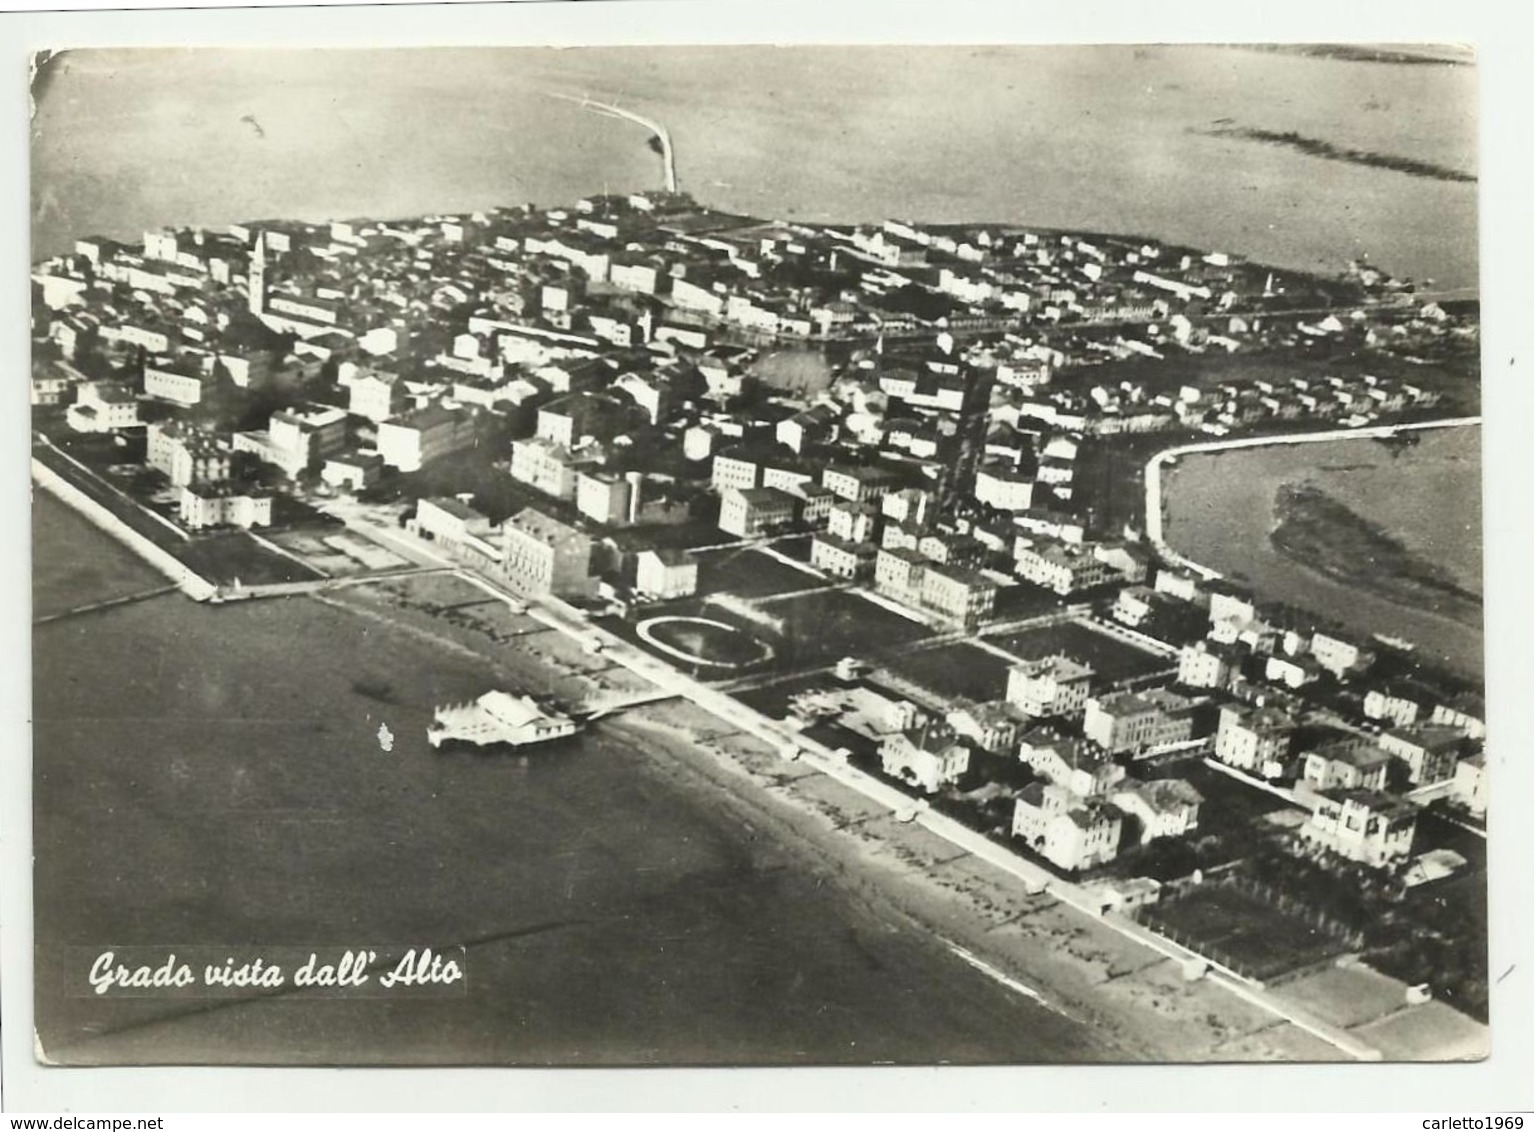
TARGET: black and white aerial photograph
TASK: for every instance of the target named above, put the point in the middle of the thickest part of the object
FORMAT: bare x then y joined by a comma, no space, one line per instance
728,555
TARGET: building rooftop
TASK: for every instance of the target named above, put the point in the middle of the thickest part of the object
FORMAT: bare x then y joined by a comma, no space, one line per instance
963,575
432,416
934,737
454,507
356,459
1092,815
669,555
1060,666
1165,794
765,497
543,528
1375,801
1132,703
1429,736
312,417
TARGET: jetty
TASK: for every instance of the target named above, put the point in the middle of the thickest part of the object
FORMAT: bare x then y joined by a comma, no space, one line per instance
661,134
107,603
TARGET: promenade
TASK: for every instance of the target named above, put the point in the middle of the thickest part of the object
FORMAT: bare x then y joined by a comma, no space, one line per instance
798,748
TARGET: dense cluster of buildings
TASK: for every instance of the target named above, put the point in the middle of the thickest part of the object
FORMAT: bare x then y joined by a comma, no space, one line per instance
607,359
1362,753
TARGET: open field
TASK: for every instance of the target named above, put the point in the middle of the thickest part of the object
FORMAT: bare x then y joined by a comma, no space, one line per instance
1229,803
1432,1031
772,700
1026,600
806,631
958,671
822,627
750,573
1112,659
1345,996
1241,931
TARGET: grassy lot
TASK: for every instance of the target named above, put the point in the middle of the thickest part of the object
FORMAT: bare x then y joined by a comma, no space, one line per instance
1112,659
812,630
1345,996
772,700
220,557
1439,937
1240,930
823,627
626,628
1231,825
797,547
234,554
1229,803
1026,600
750,573
957,671
1110,477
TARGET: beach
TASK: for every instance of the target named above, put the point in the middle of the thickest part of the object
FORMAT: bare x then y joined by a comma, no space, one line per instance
666,890
189,793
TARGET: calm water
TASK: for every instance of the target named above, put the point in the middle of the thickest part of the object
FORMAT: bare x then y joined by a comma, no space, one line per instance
1221,512
1095,138
213,776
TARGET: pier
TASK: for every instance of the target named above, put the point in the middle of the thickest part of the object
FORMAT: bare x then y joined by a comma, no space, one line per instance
667,153
108,603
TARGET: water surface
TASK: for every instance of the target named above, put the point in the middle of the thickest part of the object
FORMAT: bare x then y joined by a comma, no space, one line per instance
1098,138
1221,512
214,776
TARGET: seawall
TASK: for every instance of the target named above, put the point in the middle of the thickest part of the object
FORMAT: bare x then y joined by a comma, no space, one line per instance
194,585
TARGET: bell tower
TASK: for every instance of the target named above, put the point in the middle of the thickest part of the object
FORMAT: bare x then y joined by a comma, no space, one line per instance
257,276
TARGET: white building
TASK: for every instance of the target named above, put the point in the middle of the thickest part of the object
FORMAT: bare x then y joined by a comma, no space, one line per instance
1070,832
1004,488
102,406
1363,825
415,439
1054,685
1254,739
218,505
666,573
929,757
498,718
1164,807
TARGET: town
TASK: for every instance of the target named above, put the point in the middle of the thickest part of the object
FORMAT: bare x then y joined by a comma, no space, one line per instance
883,485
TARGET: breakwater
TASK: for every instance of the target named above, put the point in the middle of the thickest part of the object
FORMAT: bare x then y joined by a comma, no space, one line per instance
191,583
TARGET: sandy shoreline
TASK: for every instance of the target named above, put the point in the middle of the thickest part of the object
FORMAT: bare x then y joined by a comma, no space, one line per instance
1135,1001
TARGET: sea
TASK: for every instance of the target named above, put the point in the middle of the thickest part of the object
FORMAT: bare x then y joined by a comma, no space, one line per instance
1220,512
1109,139
214,776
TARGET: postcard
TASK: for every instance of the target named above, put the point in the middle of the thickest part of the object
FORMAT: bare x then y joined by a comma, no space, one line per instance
733,555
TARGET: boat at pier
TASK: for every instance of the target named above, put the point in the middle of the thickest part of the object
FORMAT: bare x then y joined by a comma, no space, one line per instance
499,719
